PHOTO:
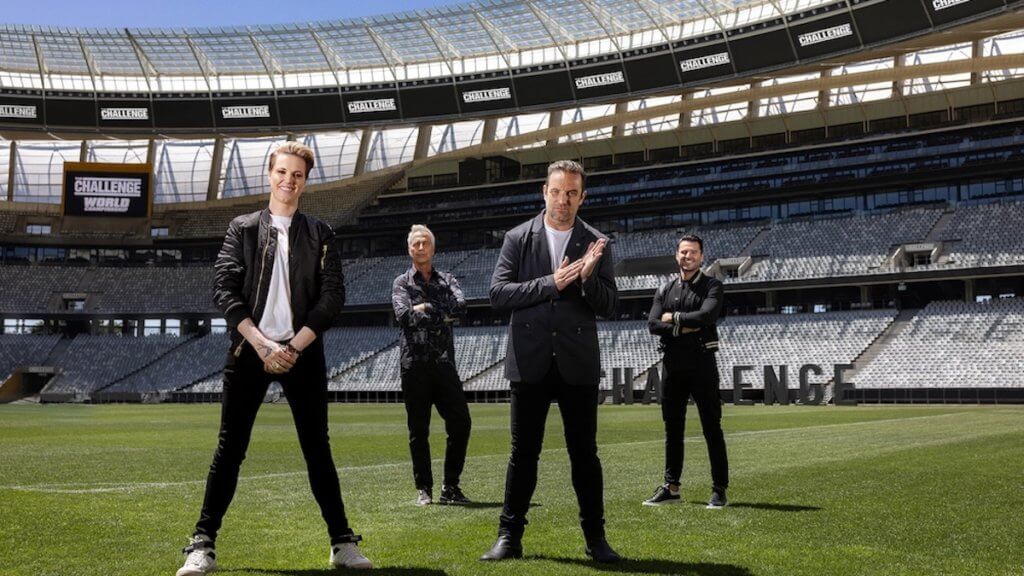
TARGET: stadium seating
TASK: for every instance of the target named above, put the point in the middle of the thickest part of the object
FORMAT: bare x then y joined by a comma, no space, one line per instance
954,345
345,347
881,159
948,344
476,350
626,345
986,235
794,340
852,244
474,272
838,246
21,350
197,359
107,289
91,363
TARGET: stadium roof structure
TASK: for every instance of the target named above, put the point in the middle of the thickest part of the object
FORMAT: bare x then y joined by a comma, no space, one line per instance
162,96
472,37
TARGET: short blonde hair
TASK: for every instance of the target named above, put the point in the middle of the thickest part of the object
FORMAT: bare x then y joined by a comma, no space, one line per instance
418,229
293,149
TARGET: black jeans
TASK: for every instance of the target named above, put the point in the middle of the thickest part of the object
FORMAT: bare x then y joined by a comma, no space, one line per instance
425,384
245,385
694,374
578,405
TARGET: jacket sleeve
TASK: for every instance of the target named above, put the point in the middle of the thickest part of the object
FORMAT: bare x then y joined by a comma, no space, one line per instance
508,294
600,290
332,285
229,277
456,305
405,314
709,311
654,323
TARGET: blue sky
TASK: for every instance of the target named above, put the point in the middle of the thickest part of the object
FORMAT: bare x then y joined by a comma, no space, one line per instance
195,13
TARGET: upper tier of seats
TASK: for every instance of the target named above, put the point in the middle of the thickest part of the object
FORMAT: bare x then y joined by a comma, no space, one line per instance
978,235
811,168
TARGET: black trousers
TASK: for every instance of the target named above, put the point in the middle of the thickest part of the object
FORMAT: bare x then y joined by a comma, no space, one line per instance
427,384
578,406
694,374
245,385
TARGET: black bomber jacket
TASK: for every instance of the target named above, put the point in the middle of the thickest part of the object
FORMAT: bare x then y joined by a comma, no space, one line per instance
246,262
694,304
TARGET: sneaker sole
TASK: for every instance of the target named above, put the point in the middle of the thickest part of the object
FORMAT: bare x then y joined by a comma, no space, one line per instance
452,503
354,567
662,503
182,572
710,507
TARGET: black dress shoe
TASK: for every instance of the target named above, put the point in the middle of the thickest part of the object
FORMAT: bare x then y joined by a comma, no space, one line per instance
504,549
600,550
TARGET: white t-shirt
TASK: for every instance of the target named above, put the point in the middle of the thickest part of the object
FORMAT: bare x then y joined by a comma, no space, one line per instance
557,242
276,322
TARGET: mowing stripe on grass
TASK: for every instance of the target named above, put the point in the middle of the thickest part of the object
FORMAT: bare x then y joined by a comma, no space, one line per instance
106,487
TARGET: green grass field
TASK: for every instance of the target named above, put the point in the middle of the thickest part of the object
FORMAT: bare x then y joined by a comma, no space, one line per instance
115,490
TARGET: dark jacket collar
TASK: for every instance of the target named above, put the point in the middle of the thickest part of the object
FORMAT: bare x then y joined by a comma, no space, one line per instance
265,217
298,221
696,277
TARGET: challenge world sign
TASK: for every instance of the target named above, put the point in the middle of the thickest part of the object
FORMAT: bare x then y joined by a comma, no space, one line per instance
107,190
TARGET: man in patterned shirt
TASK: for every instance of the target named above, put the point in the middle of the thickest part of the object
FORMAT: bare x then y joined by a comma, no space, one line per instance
426,301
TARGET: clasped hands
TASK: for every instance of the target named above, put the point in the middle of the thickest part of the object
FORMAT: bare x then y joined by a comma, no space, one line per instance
277,358
667,318
567,272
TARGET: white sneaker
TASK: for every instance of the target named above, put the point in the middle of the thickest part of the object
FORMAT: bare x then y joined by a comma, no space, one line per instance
347,555
201,558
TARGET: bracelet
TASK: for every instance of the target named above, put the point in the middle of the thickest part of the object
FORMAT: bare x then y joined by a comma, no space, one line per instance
292,349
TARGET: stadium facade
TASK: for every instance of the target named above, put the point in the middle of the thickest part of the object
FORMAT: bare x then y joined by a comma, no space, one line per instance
855,168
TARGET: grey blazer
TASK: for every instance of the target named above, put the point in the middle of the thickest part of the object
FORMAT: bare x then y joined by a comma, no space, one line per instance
547,325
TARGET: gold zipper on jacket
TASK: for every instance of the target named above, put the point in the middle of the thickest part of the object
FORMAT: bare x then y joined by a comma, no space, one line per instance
263,265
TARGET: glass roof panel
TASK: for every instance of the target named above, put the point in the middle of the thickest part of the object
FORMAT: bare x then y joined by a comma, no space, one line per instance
16,50
295,49
409,39
230,51
629,14
518,23
168,51
62,54
573,17
112,54
463,31
352,43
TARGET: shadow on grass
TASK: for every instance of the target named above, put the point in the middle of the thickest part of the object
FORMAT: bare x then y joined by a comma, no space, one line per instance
394,571
766,506
654,566
475,505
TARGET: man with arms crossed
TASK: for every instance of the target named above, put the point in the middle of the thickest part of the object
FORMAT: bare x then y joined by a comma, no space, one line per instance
684,314
555,274
426,301
279,284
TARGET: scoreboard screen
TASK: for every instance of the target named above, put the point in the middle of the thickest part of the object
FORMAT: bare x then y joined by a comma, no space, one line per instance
102,190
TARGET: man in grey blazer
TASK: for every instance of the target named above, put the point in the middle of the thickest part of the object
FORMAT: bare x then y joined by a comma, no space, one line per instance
555,274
